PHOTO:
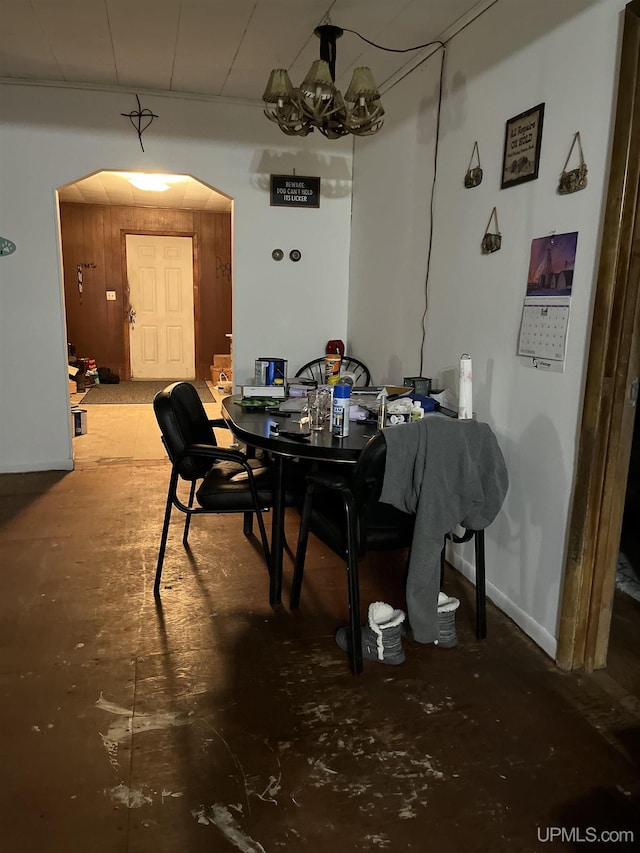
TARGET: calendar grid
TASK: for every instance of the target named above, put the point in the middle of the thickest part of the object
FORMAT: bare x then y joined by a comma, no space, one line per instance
543,331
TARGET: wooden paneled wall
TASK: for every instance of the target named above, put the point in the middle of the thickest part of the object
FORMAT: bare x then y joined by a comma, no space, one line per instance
95,234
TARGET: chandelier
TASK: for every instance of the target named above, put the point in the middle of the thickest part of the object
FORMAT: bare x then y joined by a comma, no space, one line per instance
317,104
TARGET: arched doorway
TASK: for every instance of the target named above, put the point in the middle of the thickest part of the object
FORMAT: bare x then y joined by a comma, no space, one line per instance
98,213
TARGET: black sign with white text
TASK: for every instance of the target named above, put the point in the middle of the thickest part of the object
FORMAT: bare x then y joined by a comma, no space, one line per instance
294,191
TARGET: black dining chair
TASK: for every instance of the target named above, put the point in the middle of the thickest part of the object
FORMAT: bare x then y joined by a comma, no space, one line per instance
481,583
315,370
230,482
344,512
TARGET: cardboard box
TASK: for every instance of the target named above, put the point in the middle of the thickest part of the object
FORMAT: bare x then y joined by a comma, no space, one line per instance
398,389
222,362
73,388
79,424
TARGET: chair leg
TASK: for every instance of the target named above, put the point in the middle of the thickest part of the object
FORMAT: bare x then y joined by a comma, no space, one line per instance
263,537
355,630
301,550
405,576
165,531
261,527
247,524
187,520
481,589
442,561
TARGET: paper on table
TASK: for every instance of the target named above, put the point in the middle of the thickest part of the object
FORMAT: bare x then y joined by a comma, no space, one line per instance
465,393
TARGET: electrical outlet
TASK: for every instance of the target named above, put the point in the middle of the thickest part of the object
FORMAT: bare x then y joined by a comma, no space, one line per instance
111,296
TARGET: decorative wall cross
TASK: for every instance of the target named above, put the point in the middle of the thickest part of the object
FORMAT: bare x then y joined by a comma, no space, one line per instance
140,119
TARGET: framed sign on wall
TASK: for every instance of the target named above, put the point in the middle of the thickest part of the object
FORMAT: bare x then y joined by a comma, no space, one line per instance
295,191
522,143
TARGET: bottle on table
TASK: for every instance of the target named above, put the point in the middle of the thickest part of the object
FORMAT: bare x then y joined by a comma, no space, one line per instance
332,361
417,412
341,404
382,408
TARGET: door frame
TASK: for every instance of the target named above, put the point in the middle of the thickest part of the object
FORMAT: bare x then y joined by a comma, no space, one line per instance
606,433
196,290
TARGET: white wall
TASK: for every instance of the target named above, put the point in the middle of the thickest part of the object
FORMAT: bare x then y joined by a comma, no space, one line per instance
50,136
513,57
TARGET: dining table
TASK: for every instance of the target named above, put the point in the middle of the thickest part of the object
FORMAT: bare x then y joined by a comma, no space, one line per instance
283,437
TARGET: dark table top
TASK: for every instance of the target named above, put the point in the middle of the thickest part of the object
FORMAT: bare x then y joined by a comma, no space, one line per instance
254,428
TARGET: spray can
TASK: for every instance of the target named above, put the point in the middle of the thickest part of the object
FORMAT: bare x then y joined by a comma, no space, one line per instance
340,414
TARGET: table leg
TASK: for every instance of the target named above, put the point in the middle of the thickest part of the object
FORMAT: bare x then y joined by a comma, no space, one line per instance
277,533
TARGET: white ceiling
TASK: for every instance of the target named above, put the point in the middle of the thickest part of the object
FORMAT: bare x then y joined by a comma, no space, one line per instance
221,48
115,188
209,49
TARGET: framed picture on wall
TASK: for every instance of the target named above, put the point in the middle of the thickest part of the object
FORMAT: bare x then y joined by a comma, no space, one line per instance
522,143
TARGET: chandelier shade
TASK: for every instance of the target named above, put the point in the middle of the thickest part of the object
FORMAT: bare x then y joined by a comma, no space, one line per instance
318,83
316,104
278,87
362,86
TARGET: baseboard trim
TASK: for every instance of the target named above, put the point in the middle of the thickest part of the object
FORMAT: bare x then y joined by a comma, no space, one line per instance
31,467
540,636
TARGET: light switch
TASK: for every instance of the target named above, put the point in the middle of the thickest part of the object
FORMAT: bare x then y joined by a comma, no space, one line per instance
111,296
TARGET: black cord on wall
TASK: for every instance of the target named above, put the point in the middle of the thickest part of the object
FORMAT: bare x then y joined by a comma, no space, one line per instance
442,46
431,211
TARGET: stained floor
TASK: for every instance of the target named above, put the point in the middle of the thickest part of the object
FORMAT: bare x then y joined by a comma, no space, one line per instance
213,723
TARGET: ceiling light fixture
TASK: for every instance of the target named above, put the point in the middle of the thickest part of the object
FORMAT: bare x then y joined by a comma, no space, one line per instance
317,104
151,183
154,183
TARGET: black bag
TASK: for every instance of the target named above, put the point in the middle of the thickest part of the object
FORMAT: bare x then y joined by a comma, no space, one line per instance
107,377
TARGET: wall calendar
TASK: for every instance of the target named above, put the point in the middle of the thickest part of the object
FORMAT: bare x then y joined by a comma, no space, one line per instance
543,332
545,313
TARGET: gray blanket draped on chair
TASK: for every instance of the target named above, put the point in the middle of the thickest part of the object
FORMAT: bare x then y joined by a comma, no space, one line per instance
446,472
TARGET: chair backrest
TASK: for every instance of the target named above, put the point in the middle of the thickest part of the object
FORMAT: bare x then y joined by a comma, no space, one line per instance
315,370
366,482
378,524
183,422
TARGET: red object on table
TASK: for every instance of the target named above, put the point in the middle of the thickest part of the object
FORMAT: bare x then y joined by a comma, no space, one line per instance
334,346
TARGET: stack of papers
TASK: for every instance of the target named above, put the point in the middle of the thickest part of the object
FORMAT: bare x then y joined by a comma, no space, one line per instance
272,392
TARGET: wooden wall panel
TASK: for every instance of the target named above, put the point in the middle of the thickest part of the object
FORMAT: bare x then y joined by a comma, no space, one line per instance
86,313
214,248
96,234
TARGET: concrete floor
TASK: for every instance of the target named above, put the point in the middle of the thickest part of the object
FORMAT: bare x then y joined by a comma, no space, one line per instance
213,723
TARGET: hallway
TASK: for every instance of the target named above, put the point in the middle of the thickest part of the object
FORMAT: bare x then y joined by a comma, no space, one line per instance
124,432
211,722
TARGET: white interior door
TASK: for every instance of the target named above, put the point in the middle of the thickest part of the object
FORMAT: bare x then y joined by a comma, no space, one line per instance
161,334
